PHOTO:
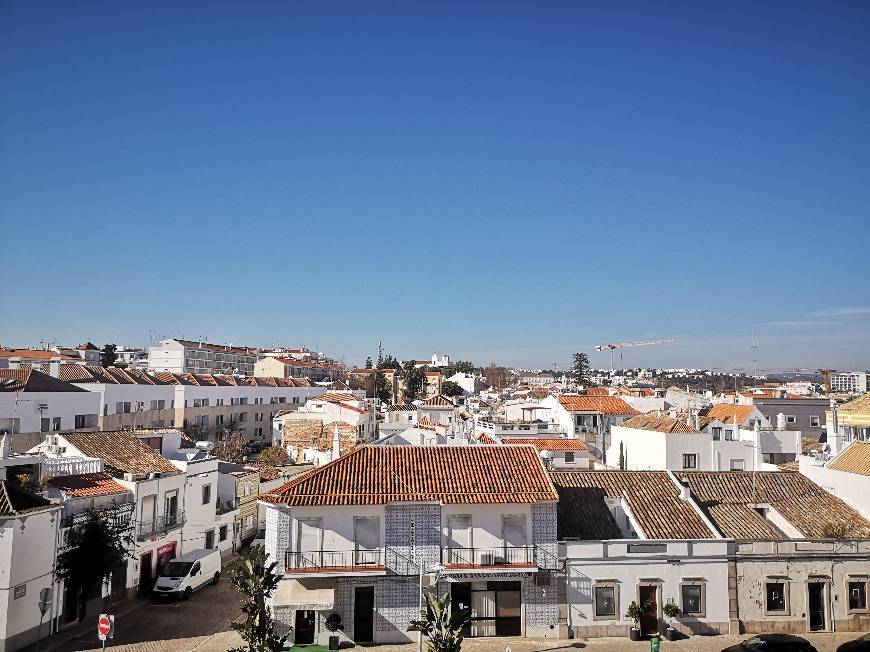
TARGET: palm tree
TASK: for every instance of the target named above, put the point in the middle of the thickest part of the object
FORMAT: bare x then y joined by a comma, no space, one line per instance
257,581
442,629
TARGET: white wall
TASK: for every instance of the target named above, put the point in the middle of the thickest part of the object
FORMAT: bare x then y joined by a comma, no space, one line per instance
27,549
852,488
591,561
24,406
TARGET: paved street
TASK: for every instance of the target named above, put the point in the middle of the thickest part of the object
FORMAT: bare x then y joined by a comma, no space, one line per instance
223,640
174,625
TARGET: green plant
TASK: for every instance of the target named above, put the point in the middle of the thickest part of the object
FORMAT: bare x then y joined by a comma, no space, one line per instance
635,611
671,611
257,581
443,630
96,548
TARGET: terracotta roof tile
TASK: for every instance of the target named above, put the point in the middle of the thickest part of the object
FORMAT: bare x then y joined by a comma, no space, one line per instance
659,424
725,412
860,405
86,485
727,497
317,435
15,501
121,450
549,444
375,475
601,404
438,401
854,459
597,391
30,380
652,497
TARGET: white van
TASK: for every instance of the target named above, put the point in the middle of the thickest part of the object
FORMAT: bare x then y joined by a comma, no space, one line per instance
184,575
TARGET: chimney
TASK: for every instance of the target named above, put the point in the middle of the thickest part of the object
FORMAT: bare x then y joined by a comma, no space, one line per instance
54,368
780,421
697,422
336,444
5,447
685,493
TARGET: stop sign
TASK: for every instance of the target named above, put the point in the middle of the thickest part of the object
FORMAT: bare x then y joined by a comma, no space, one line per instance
104,625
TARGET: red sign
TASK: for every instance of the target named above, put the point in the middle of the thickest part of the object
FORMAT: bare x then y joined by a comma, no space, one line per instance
104,625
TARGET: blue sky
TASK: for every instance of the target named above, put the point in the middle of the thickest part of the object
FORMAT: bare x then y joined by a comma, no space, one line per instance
504,182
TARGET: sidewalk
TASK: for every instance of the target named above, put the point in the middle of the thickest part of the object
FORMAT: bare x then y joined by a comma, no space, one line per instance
87,630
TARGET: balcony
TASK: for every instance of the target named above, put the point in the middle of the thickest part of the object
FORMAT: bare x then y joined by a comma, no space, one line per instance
160,525
329,562
117,516
521,557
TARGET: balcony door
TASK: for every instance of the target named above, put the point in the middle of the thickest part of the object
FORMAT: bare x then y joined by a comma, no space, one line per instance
308,553
367,540
513,527
170,507
146,517
459,539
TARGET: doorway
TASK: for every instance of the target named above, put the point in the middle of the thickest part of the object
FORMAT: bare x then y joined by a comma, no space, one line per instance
364,614
303,633
649,621
146,579
816,598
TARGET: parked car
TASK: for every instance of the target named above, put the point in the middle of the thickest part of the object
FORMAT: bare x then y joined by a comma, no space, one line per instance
860,644
188,573
773,643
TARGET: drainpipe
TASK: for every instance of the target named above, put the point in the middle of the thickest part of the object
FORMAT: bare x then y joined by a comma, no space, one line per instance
567,599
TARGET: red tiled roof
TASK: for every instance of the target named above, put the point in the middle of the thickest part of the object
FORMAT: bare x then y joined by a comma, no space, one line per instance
486,439
35,354
86,485
375,475
549,444
659,424
601,404
725,412
597,391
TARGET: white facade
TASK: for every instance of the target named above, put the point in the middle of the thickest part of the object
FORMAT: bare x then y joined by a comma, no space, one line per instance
676,451
603,577
183,356
851,488
27,415
849,382
28,545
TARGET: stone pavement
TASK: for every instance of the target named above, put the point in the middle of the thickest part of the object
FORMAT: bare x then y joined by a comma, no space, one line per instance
222,641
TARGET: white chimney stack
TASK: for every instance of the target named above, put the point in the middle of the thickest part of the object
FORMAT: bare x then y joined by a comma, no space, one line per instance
336,444
780,421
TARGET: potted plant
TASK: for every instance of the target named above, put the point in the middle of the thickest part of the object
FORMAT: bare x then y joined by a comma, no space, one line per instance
333,624
634,612
671,611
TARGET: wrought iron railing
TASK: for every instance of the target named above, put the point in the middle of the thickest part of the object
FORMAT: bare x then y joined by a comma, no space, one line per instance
161,524
488,557
346,559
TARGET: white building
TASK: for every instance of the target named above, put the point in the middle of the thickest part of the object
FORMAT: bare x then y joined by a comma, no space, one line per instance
651,442
849,382
33,403
184,356
589,417
331,407
846,475
471,384
481,518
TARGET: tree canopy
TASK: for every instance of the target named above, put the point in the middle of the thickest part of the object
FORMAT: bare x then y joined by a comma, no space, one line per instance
449,388
108,355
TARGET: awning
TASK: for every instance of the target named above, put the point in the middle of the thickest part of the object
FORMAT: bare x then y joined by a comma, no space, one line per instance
309,593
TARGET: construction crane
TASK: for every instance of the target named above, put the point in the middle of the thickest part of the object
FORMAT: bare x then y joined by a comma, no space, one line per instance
628,345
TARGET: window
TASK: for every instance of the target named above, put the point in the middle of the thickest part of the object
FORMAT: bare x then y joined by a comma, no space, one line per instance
55,423
775,601
219,420
690,461
249,522
737,465
258,401
122,407
282,399
790,418
222,533
717,433
248,488
814,422
45,424
219,401
605,598
692,594
857,594
569,457
209,539
258,416
206,494
258,432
